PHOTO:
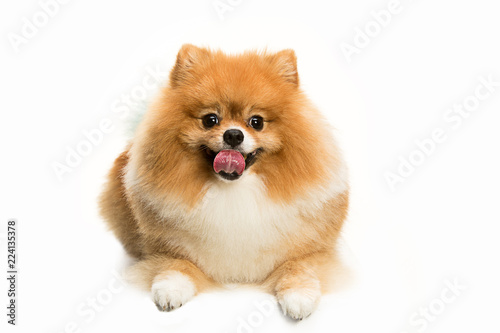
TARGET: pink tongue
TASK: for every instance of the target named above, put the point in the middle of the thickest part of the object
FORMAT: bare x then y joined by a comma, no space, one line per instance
229,161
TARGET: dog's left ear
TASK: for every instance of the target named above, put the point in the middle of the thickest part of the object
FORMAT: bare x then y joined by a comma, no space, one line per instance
285,62
188,56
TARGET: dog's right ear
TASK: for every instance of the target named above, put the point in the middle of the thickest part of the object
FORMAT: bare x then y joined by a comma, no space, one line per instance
188,56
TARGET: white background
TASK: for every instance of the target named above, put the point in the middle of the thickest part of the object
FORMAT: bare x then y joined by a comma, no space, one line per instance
404,247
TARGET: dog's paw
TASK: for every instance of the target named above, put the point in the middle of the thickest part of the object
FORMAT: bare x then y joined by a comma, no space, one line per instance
299,303
171,290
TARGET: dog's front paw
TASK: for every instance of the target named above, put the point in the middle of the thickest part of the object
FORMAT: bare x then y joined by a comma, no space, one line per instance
299,303
171,290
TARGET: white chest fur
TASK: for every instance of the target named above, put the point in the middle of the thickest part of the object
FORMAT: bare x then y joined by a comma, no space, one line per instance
237,227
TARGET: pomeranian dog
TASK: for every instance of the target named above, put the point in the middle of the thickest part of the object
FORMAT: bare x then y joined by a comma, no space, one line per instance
233,176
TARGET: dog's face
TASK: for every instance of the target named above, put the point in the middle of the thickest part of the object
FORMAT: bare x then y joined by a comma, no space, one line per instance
232,138
232,106
226,115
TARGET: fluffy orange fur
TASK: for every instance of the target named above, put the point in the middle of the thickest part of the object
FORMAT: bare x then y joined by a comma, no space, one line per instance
163,178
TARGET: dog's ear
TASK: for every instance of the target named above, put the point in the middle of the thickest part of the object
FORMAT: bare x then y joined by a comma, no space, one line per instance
285,62
188,56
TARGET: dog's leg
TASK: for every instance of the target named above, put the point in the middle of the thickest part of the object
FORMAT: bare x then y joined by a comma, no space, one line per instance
298,284
172,282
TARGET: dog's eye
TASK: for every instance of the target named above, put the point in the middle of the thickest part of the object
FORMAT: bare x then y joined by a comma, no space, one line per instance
210,120
256,122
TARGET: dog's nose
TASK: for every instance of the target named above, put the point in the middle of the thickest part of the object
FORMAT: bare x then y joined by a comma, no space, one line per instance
233,137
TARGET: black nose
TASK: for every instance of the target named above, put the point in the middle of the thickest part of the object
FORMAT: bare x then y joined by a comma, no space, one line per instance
233,137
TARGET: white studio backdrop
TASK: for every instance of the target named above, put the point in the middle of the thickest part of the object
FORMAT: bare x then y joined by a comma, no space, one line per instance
411,87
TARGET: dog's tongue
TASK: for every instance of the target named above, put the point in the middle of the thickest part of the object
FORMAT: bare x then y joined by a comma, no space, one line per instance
229,161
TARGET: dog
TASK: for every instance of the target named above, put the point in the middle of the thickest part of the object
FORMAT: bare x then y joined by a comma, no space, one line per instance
233,176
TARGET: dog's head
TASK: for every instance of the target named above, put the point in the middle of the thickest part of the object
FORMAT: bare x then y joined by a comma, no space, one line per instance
226,115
